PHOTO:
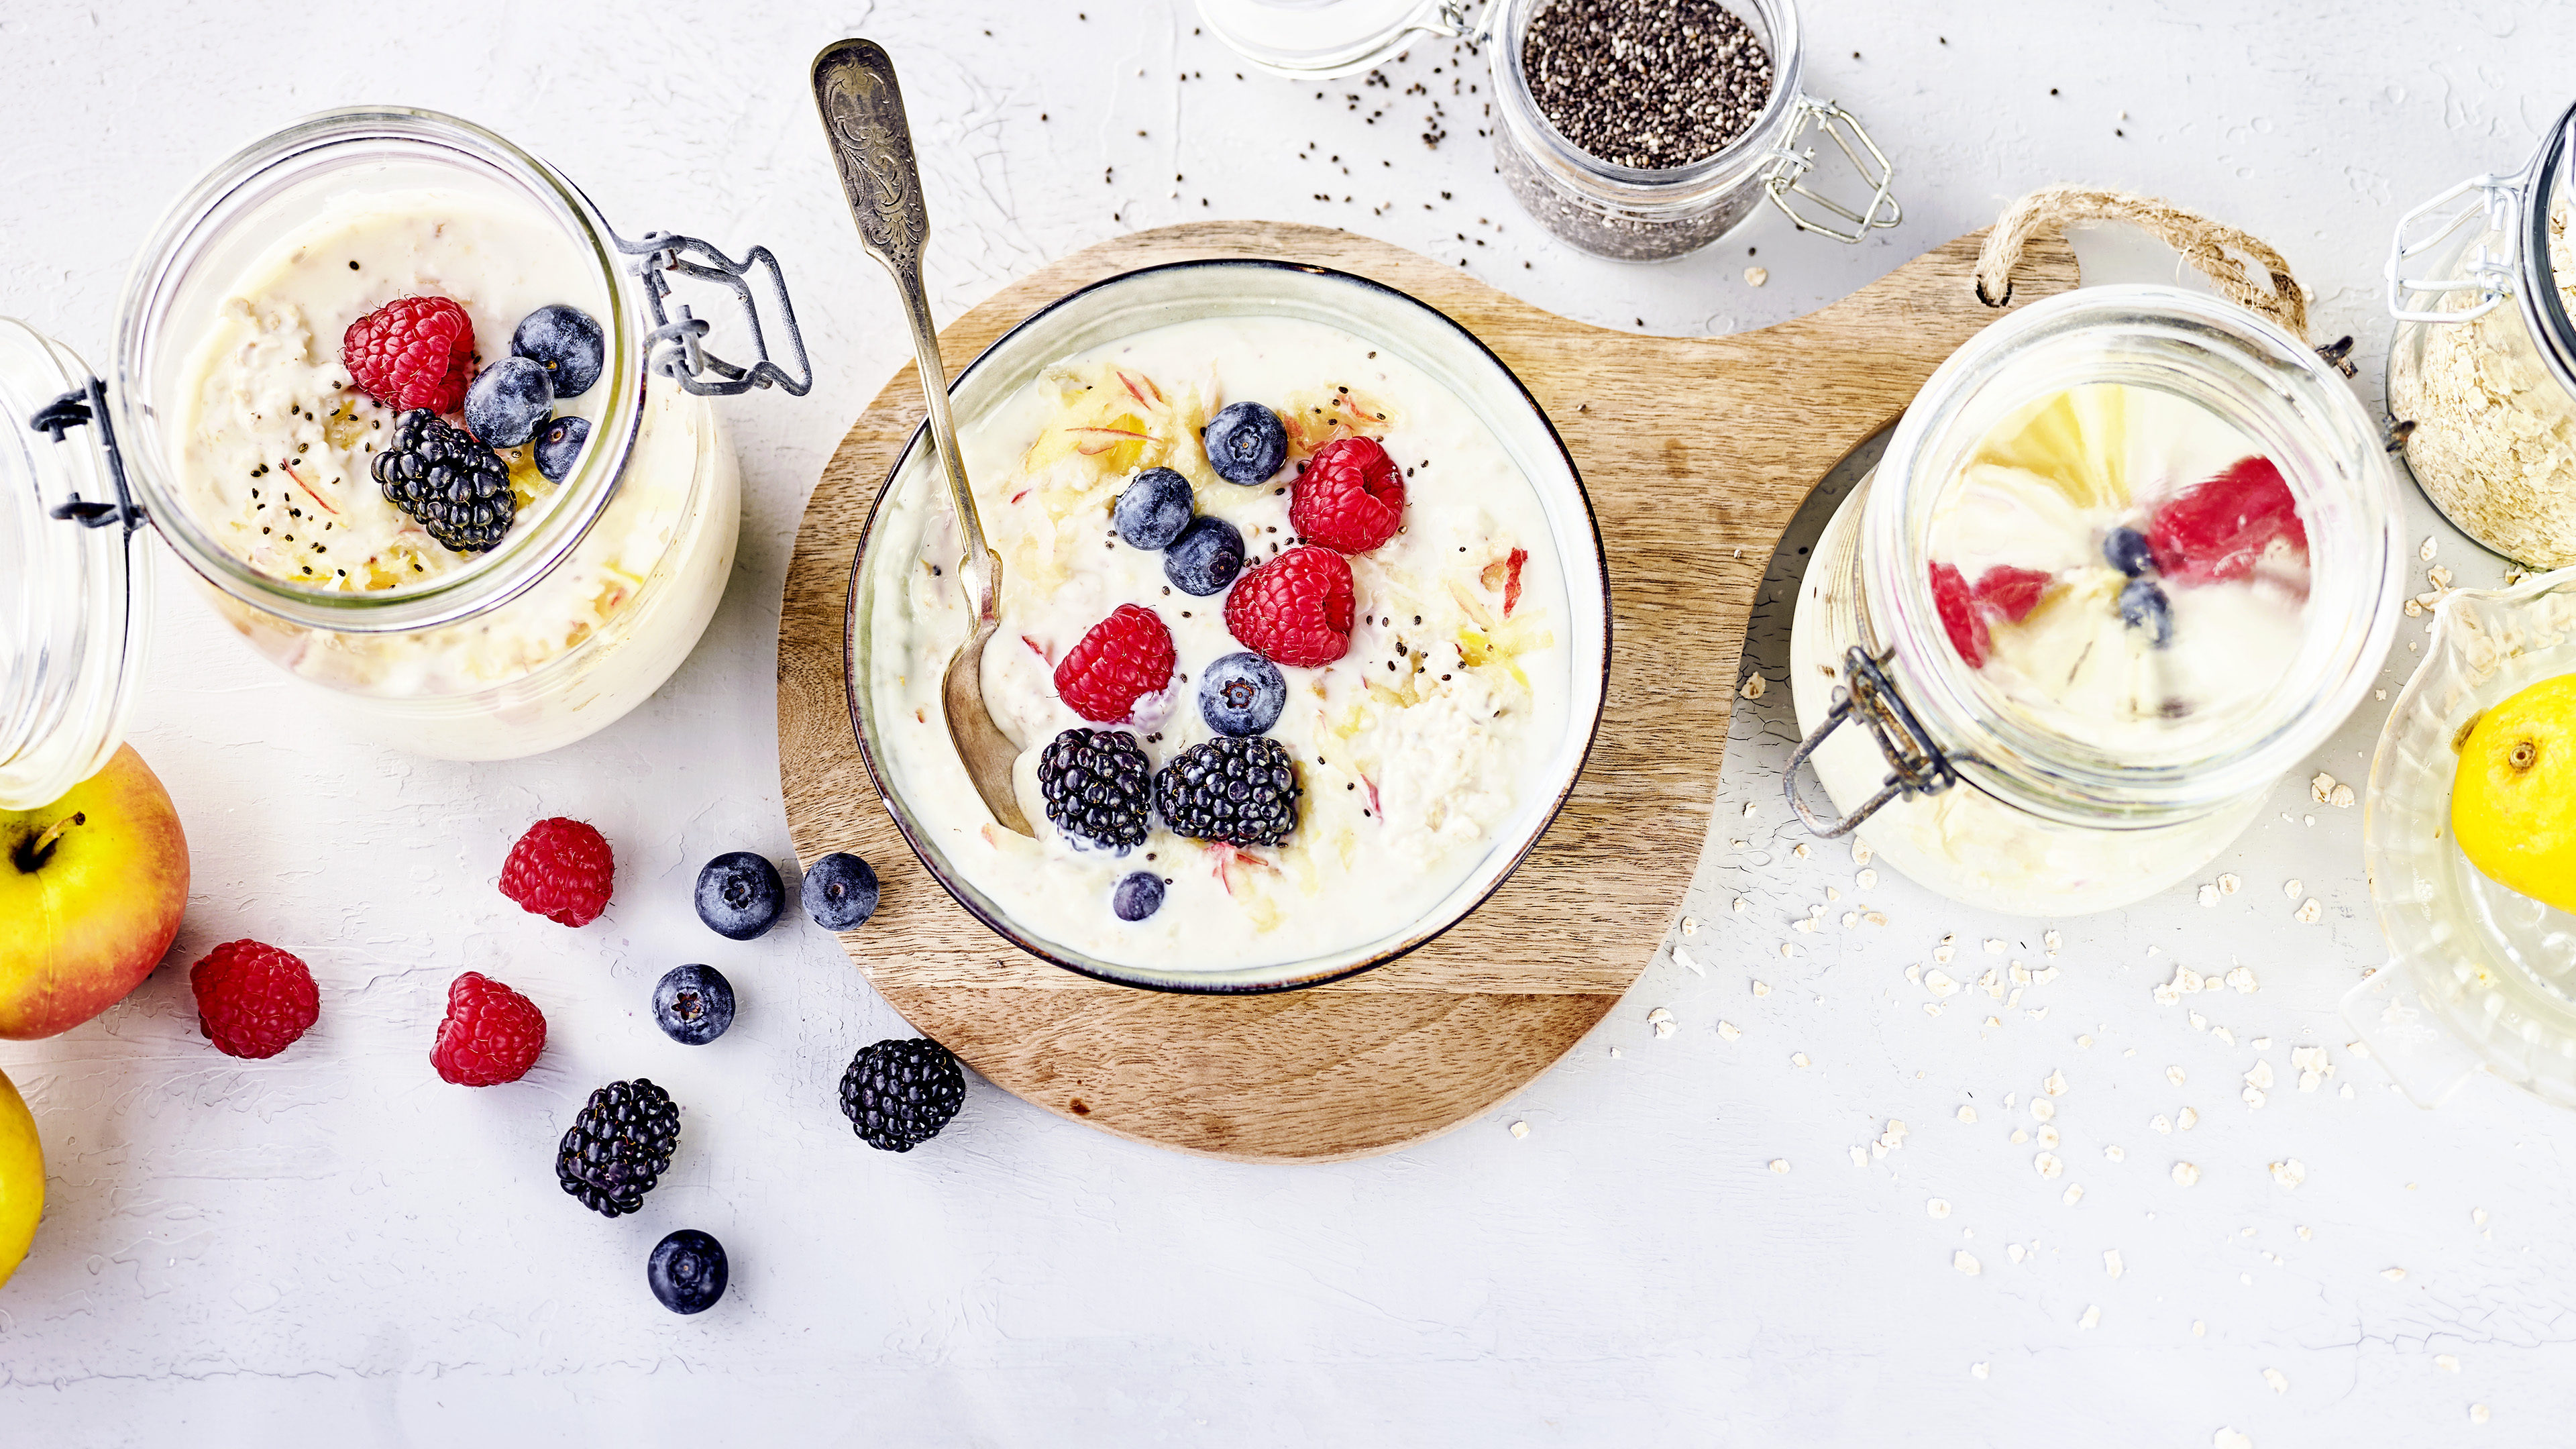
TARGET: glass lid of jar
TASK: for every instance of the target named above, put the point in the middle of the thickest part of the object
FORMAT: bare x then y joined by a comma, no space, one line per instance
1324,39
77,596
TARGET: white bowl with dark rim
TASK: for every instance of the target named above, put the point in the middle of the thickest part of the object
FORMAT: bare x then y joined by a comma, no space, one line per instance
1389,319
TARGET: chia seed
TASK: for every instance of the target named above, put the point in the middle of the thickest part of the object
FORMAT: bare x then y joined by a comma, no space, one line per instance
1646,84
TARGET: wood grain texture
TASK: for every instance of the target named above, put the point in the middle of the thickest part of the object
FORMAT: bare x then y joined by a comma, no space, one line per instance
1691,449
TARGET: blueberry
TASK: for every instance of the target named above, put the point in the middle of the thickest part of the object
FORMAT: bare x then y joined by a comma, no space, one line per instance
693,1004
2143,606
566,343
687,1271
841,892
508,402
739,894
1245,443
559,446
1242,694
1137,896
1205,558
1154,509
2127,550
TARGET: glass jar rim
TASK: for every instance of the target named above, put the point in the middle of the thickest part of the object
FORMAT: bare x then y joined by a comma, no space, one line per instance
1506,24
2327,448
246,177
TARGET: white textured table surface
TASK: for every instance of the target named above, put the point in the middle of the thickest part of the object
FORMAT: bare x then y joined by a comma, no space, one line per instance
333,1246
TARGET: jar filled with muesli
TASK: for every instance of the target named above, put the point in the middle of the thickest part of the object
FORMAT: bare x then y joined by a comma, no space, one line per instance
2482,371
1646,131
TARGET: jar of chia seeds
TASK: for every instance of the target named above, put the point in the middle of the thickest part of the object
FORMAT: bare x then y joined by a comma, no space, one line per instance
527,587
1648,146
2129,557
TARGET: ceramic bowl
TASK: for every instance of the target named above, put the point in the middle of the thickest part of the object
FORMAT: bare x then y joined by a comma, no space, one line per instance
1386,318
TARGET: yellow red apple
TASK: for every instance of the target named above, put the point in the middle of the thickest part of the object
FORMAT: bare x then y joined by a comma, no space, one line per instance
91,889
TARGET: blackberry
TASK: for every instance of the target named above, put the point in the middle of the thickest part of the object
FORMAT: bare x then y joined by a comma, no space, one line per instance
619,1146
899,1093
1097,785
449,483
1240,791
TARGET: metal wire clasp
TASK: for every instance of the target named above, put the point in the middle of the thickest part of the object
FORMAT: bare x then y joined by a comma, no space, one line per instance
2488,271
1789,167
675,348
1918,766
85,405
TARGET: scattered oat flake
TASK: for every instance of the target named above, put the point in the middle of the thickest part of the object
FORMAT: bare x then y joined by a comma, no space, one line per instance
1861,852
2161,1125
2447,1363
1756,276
2174,1075
2042,1108
2261,1076
1850,919
1690,925
2477,1413
1995,947
2056,1084
1914,973
2279,1381
1939,983
1969,1114
2048,1165
2242,980
2321,789
2290,1174
1800,850
2425,552
1866,880
2019,1136
1797,1059
2114,1154
2047,1136
2393,1275
1748,809
2343,797
1965,1263
1763,988
1753,686
1520,1129
2308,912
2074,1194
2209,895
2014,1251
1977,1370
1860,1156
2185,1174
2199,1329
2186,1119
2229,884
2478,1216
1742,905
2084,1041
1779,1164
1874,918
1728,1030
1661,1020
2092,1316
1684,957
2111,1263
2304,1235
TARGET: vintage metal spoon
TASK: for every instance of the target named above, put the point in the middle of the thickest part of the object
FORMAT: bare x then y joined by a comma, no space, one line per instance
872,146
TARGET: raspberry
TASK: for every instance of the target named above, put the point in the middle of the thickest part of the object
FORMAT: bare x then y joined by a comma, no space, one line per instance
1967,628
561,870
1295,609
253,1000
412,352
2010,592
2219,528
491,1035
1350,497
1124,658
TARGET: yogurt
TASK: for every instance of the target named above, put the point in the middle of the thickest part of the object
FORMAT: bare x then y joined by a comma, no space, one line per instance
274,447
1413,749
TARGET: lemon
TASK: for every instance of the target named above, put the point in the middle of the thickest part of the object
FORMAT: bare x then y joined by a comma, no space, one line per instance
2513,803
22,1178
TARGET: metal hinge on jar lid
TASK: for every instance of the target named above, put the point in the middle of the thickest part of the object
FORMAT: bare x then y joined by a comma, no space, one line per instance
1917,765
2510,258
81,407
676,348
1790,166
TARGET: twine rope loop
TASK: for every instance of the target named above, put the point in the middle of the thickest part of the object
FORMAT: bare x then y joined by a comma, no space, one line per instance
2211,247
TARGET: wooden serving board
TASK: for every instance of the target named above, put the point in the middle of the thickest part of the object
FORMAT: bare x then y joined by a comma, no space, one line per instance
1691,449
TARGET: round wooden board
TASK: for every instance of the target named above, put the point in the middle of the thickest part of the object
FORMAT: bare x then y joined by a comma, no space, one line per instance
1694,451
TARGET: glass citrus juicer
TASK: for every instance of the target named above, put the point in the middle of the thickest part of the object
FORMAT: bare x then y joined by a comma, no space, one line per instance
2481,977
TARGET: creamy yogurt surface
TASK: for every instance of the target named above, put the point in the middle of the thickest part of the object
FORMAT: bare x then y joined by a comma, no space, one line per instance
2136,571
1414,750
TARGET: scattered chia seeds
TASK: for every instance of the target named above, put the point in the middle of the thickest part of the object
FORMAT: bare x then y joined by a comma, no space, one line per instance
1649,84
